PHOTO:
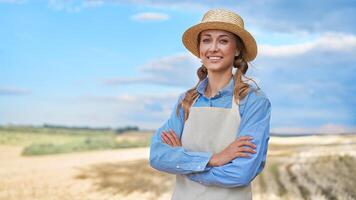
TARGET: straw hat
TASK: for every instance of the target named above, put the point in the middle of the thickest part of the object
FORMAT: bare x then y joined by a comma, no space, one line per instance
223,20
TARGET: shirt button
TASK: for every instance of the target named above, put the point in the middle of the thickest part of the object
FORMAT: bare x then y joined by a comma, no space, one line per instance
198,167
177,166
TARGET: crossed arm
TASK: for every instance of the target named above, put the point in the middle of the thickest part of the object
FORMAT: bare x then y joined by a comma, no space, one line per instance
236,165
238,148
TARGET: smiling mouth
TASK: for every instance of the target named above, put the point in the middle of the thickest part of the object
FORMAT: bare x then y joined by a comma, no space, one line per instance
214,58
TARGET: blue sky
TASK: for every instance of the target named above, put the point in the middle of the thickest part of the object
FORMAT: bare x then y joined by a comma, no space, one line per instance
116,63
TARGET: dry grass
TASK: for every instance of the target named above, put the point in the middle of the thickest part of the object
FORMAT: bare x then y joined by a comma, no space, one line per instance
309,168
126,178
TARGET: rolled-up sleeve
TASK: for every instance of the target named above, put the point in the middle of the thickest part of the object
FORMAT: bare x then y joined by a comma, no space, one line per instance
176,160
255,121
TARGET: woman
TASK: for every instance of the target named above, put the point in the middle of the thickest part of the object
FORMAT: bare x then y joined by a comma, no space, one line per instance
216,139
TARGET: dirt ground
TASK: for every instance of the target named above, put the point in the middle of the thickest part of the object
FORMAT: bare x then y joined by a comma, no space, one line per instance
57,176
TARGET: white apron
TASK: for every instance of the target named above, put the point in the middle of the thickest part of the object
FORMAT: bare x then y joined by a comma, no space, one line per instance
209,129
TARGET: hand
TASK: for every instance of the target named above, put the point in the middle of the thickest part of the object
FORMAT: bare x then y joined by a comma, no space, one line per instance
170,138
236,149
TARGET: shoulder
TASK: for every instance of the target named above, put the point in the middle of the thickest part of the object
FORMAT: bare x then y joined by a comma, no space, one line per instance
256,97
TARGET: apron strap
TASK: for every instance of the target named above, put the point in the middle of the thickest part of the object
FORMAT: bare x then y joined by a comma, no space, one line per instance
234,105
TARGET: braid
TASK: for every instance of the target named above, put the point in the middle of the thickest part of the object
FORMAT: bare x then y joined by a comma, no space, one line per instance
192,93
241,87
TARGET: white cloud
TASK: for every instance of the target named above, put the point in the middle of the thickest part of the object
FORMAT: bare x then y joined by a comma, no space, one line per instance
310,83
176,70
148,111
328,42
143,110
132,99
150,16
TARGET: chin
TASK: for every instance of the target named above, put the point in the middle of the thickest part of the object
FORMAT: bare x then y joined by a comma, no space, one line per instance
216,68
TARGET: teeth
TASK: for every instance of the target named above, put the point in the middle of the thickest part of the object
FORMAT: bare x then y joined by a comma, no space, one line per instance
214,58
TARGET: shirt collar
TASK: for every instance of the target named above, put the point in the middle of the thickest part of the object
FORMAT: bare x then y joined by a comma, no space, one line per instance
227,90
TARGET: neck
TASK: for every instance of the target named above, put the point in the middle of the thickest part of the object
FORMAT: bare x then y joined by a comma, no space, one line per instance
217,81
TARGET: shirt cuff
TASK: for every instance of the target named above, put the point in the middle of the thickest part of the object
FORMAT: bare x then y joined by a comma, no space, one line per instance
200,164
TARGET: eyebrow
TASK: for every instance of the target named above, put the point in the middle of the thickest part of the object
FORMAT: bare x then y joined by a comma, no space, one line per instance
206,34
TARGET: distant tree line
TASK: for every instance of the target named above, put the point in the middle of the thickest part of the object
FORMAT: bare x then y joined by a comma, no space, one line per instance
127,128
117,130
76,127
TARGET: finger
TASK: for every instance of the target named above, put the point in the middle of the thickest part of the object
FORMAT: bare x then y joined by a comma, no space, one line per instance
245,149
168,140
164,138
171,138
176,139
246,143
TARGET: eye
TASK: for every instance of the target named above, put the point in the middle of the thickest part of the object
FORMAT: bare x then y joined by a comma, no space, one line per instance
205,40
224,41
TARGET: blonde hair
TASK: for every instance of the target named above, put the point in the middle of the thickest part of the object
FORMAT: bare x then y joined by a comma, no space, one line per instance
241,87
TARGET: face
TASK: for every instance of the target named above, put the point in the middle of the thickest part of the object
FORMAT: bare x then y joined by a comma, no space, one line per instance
217,49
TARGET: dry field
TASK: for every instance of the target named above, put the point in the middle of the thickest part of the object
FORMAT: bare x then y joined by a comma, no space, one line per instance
308,167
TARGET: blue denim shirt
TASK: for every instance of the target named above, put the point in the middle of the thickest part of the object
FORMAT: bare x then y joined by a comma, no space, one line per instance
255,111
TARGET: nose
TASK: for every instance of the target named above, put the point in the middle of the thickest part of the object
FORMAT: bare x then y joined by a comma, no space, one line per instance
214,46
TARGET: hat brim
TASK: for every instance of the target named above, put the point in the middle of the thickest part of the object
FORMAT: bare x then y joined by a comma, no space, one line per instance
190,37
